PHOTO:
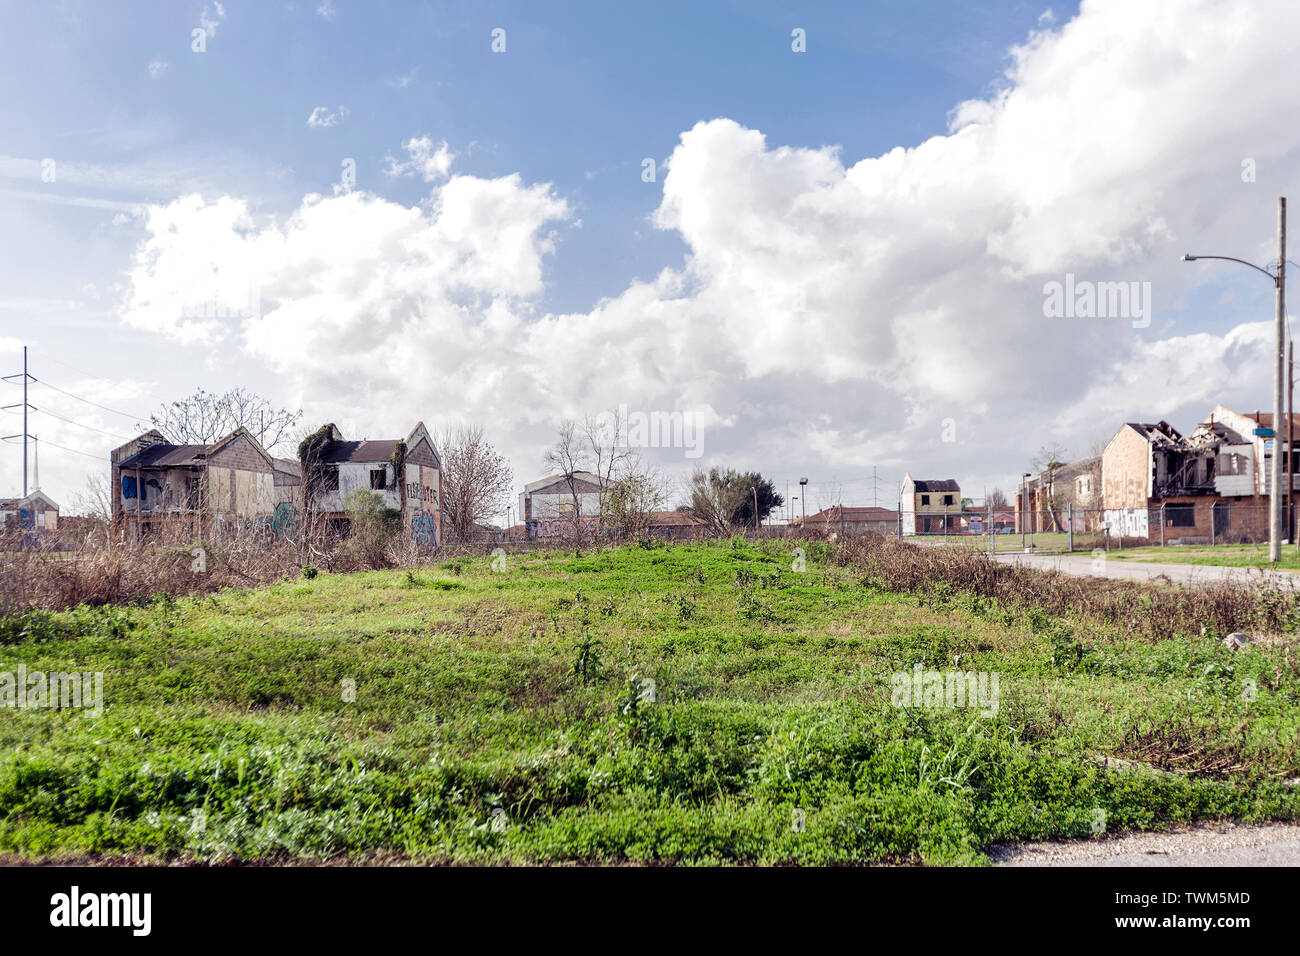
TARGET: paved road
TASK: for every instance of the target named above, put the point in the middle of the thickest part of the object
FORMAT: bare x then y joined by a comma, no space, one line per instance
1272,844
1086,565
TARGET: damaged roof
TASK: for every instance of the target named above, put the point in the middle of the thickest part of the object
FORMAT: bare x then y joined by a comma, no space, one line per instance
932,484
167,456
360,451
1158,434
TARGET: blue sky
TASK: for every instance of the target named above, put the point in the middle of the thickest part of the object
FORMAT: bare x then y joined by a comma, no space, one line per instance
582,94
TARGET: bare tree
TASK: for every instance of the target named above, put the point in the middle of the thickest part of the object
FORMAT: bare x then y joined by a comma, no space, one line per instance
611,460
1047,462
568,456
476,479
95,502
997,498
203,417
829,495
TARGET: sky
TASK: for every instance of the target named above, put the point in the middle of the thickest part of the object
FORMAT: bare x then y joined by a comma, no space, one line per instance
827,234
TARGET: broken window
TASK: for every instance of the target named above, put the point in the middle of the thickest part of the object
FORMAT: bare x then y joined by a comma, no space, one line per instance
1180,516
925,500
378,479
331,479
947,499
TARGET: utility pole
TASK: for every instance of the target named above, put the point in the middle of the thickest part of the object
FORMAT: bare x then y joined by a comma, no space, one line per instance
757,524
1275,491
25,406
1279,359
1290,388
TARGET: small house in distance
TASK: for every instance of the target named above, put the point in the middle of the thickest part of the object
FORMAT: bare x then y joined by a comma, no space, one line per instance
547,505
853,520
37,512
930,506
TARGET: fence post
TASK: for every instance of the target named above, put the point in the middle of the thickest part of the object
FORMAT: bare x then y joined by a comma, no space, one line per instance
1069,530
1162,523
1213,505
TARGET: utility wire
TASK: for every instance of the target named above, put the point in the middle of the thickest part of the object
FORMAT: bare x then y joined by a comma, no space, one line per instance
115,411
46,411
46,441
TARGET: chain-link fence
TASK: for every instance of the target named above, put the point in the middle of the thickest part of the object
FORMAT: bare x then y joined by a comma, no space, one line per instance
1171,523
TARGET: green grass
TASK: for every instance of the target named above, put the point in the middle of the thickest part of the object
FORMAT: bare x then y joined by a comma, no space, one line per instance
1044,541
497,718
1222,555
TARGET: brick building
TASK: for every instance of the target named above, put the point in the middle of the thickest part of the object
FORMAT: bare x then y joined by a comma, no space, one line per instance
1212,484
853,520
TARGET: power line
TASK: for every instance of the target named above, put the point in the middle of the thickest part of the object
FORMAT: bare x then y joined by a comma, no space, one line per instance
84,454
46,411
115,411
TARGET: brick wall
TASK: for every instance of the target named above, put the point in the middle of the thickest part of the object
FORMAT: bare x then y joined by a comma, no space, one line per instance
1126,471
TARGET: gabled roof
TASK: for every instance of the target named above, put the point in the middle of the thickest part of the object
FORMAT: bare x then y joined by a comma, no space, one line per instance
13,504
672,519
851,513
541,484
167,456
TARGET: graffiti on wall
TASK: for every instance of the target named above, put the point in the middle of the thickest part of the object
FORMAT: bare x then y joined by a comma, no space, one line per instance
421,515
283,521
423,528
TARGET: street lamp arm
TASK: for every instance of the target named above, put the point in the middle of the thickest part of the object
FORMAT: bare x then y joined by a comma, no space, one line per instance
1188,258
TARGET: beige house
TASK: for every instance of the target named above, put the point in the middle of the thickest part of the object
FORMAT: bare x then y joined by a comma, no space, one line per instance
930,506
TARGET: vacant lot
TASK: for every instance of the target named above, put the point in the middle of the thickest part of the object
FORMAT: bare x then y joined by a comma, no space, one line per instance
508,715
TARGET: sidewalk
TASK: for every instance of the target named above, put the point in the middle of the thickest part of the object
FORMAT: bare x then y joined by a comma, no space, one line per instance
1085,566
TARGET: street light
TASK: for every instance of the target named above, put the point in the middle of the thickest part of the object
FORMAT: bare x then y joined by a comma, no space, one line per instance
1279,283
803,496
1024,506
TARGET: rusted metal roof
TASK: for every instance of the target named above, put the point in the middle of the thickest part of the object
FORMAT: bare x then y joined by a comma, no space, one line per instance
167,456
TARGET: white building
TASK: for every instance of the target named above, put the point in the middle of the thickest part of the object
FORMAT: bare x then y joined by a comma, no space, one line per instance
547,505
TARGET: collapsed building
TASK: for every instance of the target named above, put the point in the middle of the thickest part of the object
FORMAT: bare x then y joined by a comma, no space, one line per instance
1211,484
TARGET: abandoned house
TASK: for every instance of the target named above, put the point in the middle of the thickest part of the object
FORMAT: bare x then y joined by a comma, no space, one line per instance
547,505
1211,483
930,506
404,472
195,488
1058,495
35,513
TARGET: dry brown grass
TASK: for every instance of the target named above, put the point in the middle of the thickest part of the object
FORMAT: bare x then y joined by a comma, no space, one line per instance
1132,608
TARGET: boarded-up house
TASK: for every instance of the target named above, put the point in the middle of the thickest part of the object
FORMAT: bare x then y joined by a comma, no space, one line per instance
36,513
197,489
